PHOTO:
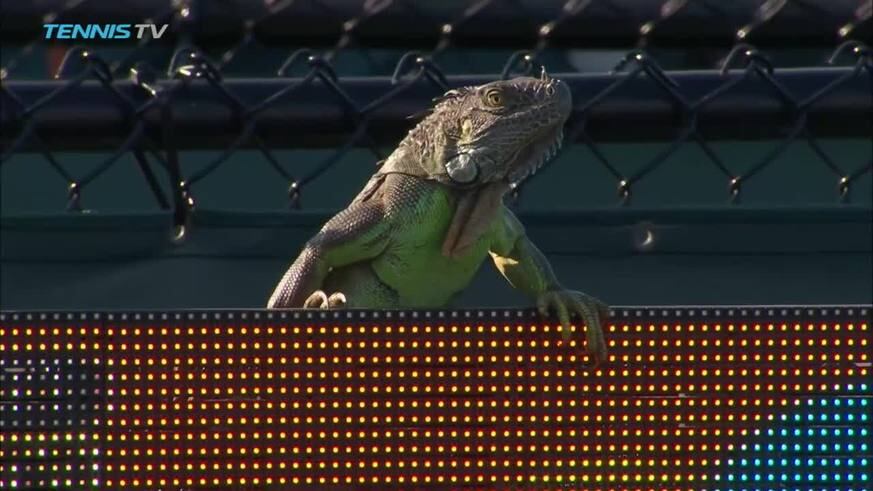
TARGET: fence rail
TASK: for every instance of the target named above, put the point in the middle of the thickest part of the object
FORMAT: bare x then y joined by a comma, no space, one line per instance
312,112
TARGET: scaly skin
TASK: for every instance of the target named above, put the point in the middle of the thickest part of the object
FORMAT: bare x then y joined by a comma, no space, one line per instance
426,221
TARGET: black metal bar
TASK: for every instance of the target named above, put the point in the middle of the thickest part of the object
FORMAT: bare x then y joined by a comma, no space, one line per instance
89,117
760,312
520,24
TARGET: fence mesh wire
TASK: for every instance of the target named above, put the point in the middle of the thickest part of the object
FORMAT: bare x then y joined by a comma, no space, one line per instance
149,101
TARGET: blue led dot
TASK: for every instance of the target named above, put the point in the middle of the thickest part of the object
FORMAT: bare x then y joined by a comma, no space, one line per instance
814,448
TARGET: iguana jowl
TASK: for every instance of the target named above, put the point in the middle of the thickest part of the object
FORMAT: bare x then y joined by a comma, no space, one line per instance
427,219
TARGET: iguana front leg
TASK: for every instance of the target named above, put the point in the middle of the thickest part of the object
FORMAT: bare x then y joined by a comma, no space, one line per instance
358,233
527,269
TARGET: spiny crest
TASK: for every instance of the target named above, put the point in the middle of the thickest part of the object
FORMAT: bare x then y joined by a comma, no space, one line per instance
451,95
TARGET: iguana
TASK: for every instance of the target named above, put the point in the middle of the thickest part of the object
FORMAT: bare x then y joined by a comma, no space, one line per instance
420,229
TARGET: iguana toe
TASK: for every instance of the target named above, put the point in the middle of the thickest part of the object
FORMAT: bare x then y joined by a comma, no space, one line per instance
317,300
336,300
591,312
320,300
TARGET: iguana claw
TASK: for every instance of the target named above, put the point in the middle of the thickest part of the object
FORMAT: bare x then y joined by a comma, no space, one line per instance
319,300
590,310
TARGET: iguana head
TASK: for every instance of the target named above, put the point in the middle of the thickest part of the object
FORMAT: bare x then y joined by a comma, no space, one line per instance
500,131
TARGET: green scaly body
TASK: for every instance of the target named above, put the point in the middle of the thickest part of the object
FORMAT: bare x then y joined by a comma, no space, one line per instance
412,251
426,221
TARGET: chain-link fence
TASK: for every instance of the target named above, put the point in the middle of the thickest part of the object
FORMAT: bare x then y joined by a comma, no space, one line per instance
438,27
109,100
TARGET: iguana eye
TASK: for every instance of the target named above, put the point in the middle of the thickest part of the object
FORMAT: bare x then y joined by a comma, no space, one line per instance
494,98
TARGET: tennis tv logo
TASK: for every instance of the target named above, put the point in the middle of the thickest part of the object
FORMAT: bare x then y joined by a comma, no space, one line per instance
103,31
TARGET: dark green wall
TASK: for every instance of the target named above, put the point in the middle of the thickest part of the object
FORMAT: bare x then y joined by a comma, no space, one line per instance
788,241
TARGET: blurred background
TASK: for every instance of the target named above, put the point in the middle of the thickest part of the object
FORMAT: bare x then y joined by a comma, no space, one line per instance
720,151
